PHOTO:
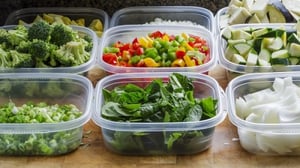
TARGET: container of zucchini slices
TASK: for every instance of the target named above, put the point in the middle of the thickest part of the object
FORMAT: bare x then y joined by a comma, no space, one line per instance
252,48
265,110
43,114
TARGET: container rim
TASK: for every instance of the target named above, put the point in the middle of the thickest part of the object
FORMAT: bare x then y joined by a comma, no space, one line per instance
165,9
75,69
258,127
23,128
158,126
66,10
123,29
224,62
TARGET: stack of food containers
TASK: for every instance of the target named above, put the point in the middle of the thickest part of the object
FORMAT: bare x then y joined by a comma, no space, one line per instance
262,102
131,31
43,109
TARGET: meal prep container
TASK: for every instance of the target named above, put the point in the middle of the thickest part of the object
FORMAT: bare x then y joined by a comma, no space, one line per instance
58,138
262,138
72,69
29,14
219,22
234,69
127,33
146,14
204,86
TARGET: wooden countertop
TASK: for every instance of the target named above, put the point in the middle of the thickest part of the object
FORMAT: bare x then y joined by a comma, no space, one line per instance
225,152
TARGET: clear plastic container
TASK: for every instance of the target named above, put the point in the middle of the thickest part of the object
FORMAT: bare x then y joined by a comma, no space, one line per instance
220,24
49,139
127,33
73,69
261,138
235,69
204,86
29,14
146,14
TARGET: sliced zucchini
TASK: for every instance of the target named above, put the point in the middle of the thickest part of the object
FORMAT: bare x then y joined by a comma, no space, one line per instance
254,19
265,19
229,51
293,38
262,62
264,54
248,4
276,44
242,48
226,34
251,59
294,50
239,16
294,60
275,15
280,54
240,34
233,42
266,42
260,32
280,61
236,3
274,33
238,59
260,8
231,9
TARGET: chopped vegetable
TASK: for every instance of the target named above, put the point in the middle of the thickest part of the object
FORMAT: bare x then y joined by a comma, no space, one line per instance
159,49
52,143
278,104
173,101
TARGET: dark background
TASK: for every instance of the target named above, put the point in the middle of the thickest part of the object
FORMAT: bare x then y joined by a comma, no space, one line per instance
110,6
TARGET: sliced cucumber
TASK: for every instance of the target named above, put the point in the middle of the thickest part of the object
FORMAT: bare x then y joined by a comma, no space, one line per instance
260,8
266,42
240,15
226,34
229,51
263,62
242,48
248,4
276,44
251,59
280,61
294,60
264,54
280,54
275,15
254,19
238,59
265,19
260,32
294,50
293,38
240,34
233,42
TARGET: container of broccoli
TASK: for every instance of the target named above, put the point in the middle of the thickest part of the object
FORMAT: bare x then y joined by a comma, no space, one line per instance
43,113
42,47
158,113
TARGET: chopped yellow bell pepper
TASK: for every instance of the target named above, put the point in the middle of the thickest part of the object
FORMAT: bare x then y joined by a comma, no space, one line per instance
187,46
188,61
80,22
185,36
149,62
166,38
143,42
178,63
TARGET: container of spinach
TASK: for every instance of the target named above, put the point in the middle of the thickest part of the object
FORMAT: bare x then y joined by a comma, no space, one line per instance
43,114
158,113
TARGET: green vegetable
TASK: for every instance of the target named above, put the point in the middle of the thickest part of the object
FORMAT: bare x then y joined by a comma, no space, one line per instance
173,101
52,143
43,46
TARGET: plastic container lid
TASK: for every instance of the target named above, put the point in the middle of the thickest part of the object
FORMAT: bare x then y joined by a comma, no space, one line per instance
144,14
126,33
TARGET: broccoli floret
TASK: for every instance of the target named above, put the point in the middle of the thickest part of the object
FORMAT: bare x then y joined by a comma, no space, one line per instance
4,59
23,47
17,35
39,30
61,34
72,54
41,64
20,60
89,45
40,49
3,36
